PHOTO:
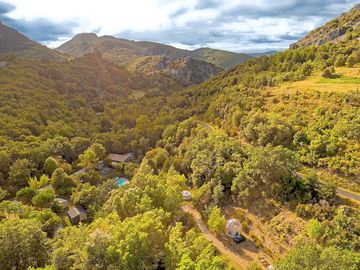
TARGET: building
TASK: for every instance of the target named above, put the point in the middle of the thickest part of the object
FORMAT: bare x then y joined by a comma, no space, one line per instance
121,158
186,195
77,214
63,202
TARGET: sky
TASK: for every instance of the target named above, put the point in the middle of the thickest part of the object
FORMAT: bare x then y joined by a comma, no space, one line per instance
235,25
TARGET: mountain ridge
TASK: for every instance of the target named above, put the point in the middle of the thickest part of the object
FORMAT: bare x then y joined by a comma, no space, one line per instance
87,42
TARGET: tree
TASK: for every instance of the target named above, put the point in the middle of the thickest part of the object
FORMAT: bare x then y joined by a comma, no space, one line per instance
3,194
44,199
216,221
88,159
25,195
22,244
308,256
340,60
314,229
50,165
62,182
48,220
19,173
99,150
327,73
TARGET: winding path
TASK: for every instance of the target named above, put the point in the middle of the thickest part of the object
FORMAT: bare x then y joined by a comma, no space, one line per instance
248,252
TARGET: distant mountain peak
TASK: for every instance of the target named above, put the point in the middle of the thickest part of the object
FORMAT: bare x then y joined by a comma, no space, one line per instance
85,43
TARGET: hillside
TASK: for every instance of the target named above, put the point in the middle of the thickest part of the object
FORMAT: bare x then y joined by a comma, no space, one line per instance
12,42
88,42
341,28
220,58
267,143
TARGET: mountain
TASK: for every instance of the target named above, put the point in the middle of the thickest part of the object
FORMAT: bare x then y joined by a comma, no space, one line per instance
339,29
221,58
188,71
15,43
88,42
267,53
144,57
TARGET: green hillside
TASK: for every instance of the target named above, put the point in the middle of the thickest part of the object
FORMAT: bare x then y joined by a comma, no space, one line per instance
268,142
220,58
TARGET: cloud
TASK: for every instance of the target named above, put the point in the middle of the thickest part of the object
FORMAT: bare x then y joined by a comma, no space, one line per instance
42,30
6,7
238,25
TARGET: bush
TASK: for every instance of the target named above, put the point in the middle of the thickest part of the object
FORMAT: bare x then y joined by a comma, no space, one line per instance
25,195
44,199
216,221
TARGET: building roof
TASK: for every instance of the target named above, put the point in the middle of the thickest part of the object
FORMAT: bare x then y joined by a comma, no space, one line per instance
121,158
73,212
60,200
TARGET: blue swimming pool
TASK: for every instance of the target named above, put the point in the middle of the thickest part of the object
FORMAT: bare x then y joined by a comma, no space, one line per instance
121,181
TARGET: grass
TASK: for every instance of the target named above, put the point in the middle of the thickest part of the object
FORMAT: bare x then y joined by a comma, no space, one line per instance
340,78
349,79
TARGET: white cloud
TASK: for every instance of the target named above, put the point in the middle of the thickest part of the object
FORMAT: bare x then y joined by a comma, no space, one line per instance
225,24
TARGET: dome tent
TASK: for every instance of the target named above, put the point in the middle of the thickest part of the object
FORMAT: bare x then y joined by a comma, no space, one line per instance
233,227
186,195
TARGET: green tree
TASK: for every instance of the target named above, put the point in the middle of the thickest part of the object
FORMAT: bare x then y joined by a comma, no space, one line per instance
88,159
3,194
216,221
44,199
62,182
99,150
314,229
25,195
307,256
50,165
19,173
22,244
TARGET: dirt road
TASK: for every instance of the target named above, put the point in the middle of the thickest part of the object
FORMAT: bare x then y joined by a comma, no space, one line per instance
348,194
245,253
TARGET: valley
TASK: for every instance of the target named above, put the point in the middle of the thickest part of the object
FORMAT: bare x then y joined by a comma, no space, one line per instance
121,154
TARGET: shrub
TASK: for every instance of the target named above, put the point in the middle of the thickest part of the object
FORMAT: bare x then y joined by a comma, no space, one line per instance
25,195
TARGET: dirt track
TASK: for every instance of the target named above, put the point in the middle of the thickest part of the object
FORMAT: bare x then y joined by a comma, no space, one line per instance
244,254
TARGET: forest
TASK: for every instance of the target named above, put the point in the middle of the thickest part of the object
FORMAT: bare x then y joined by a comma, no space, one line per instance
266,141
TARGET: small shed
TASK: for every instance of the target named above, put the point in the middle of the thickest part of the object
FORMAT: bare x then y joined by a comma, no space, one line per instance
186,195
77,214
63,202
128,157
233,228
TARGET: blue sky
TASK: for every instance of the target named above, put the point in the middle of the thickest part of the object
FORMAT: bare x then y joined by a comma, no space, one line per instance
236,25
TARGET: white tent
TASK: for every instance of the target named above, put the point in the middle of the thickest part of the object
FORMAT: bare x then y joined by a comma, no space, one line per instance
233,227
186,195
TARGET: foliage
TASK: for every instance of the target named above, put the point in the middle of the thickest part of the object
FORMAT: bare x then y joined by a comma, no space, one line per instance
62,182
307,256
43,199
22,244
216,221
25,195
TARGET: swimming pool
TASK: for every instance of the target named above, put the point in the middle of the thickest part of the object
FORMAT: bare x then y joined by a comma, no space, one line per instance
122,181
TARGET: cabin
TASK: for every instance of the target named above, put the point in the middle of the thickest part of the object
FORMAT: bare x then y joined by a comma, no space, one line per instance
186,195
116,158
63,202
77,214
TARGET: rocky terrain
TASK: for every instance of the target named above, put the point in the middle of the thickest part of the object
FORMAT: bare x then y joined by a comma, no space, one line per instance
334,31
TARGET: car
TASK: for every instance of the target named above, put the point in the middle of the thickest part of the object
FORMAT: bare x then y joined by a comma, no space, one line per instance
238,239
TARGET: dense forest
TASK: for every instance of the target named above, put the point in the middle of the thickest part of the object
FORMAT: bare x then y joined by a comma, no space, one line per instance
268,142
